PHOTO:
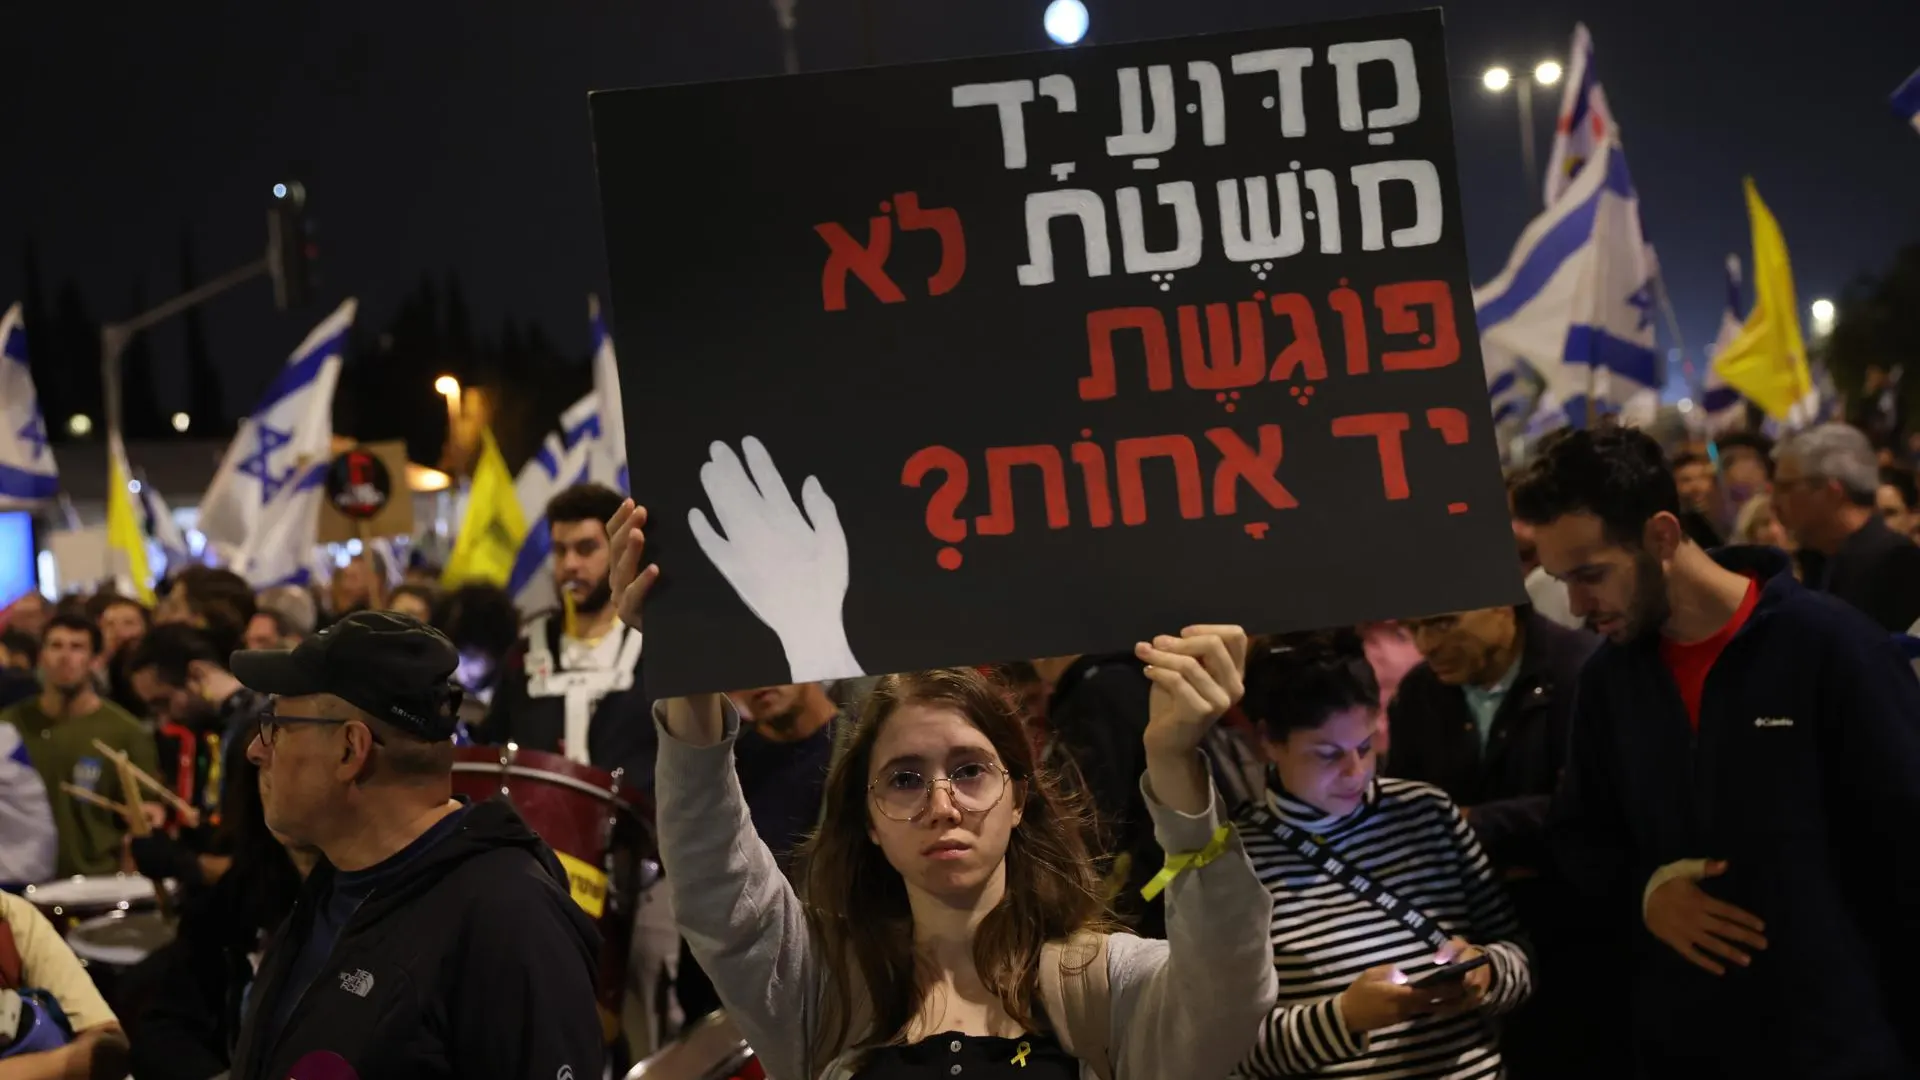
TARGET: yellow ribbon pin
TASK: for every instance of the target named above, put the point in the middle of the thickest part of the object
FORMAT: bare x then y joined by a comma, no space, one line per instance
1020,1054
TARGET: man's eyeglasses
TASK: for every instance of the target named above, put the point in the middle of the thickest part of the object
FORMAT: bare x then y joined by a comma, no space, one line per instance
976,786
272,720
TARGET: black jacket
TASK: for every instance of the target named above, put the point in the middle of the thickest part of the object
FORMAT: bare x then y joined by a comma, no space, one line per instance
1878,571
620,735
474,964
1805,777
1508,787
1097,716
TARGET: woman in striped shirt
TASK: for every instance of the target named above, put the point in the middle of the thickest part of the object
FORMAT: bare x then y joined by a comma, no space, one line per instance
1373,880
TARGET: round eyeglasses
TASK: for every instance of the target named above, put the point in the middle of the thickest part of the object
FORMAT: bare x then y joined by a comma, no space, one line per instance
975,788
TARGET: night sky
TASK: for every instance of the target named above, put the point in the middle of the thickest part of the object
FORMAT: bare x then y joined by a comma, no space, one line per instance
437,137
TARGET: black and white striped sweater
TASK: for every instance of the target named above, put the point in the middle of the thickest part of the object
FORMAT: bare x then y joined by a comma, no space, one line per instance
1411,839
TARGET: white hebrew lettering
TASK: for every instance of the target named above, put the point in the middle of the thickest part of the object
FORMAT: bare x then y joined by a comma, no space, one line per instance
1346,60
1042,208
1326,208
1135,137
1133,231
1428,217
1259,239
1213,102
1060,89
1287,64
1010,98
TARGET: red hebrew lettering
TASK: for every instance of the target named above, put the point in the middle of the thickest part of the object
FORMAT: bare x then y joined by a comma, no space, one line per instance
940,519
868,263
1241,462
945,222
1222,371
1450,423
1100,384
1353,323
1305,352
1000,462
1397,304
1129,453
1386,429
1093,469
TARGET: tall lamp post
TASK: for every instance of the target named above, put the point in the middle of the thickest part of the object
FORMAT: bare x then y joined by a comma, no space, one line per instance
1498,79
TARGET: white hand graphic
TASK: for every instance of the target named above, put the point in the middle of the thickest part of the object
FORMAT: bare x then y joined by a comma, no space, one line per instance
791,573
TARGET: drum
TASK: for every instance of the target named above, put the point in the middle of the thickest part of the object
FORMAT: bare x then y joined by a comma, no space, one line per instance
710,1049
110,945
71,901
601,830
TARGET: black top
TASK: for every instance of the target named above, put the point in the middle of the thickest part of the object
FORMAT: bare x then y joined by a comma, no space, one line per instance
952,1056
1878,571
783,782
1806,743
472,962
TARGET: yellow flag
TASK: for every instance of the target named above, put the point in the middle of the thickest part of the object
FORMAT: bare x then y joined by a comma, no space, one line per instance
1767,363
124,537
494,527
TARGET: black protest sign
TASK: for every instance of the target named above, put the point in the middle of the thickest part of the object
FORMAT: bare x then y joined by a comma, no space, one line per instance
1041,354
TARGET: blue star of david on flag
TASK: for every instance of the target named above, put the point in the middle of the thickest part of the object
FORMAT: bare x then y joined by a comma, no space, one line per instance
1642,301
34,434
259,464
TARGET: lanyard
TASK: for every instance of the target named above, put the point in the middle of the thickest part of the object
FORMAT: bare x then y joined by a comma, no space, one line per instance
1309,848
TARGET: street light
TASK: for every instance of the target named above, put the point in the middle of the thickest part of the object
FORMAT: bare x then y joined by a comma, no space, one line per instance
181,422
1823,316
79,424
1066,21
447,387
1497,79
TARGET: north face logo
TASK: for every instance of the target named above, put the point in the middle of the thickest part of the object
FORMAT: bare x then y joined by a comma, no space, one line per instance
357,983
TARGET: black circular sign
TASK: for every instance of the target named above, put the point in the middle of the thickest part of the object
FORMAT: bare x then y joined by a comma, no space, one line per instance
358,484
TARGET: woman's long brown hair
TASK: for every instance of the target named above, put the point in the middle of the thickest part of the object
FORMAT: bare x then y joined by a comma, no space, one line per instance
857,903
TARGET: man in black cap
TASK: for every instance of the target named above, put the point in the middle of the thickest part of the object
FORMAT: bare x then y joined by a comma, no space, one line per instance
435,939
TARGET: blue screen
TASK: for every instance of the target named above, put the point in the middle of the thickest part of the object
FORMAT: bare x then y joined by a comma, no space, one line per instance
17,576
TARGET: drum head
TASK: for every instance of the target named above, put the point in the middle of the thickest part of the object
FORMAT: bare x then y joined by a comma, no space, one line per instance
120,939
104,889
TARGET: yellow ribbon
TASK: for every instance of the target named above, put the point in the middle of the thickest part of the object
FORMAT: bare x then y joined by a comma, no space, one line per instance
1192,860
1020,1055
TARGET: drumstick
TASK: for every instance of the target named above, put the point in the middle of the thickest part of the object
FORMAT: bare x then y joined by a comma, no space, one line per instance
137,823
167,794
98,800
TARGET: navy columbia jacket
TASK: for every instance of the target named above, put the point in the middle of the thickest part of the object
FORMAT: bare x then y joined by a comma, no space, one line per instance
1805,777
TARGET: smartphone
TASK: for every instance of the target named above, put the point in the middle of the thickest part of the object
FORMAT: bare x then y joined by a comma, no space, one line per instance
1435,975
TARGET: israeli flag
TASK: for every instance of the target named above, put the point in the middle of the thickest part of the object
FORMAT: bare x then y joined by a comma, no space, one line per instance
1575,302
1725,409
1906,100
279,551
161,526
555,468
27,471
610,456
1584,122
293,423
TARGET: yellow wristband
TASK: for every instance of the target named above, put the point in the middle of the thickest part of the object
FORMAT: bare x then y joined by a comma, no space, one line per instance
1192,860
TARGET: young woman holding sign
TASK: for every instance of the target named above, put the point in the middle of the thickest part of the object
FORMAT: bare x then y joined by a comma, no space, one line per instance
1379,888
953,924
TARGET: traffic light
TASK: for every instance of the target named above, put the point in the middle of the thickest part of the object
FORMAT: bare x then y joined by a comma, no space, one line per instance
290,248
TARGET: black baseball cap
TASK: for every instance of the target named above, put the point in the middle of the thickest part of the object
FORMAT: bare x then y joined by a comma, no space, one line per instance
393,666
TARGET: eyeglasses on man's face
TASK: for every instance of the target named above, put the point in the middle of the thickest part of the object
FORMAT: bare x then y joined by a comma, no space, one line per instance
903,794
272,720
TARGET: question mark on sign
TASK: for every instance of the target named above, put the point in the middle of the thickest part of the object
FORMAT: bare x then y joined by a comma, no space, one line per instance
941,521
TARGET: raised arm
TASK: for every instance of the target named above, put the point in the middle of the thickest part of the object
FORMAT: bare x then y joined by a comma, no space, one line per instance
1191,1005
730,901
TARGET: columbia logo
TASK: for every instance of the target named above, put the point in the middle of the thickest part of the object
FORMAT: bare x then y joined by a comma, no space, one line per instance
1773,721
358,983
